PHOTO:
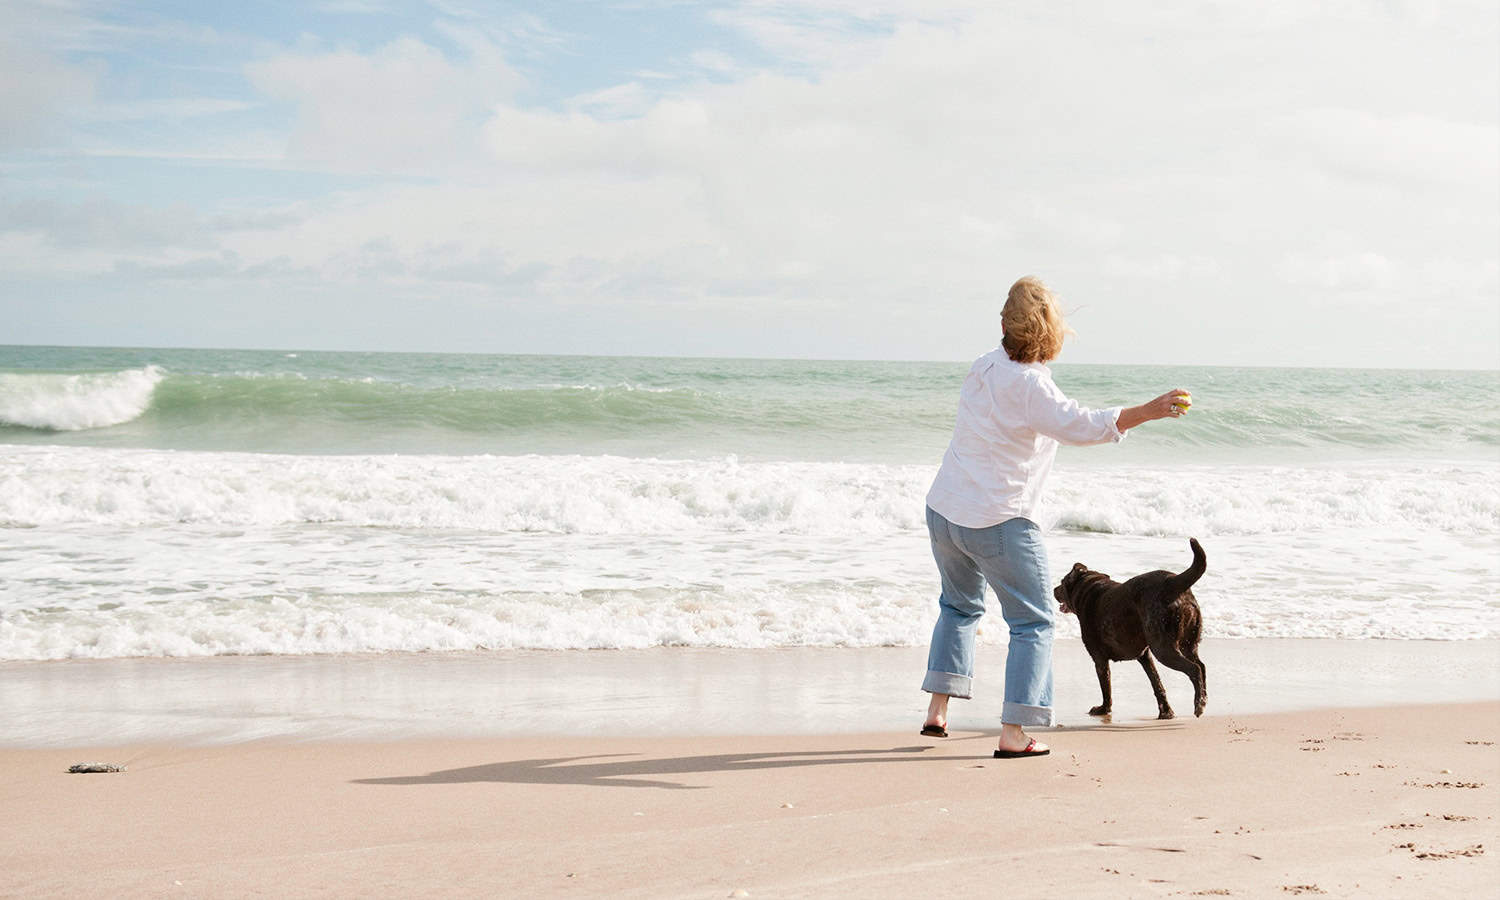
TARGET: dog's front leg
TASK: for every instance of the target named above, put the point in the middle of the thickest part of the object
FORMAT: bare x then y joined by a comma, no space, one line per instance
1163,709
1101,667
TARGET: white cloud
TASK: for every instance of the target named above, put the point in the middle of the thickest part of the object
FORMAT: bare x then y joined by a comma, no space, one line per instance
37,93
520,34
263,150
1449,278
716,62
1415,148
407,106
25,253
91,26
353,7
1439,283
626,100
1161,267
170,109
103,224
1363,272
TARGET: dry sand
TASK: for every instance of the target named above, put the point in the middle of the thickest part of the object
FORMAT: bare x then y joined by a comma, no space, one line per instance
1398,801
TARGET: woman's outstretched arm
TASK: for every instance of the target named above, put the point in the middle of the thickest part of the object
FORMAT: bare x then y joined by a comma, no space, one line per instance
1162,407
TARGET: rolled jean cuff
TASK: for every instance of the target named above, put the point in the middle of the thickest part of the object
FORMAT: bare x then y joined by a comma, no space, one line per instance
1023,715
959,686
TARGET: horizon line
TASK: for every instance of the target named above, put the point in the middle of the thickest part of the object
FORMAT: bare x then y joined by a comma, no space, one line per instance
730,358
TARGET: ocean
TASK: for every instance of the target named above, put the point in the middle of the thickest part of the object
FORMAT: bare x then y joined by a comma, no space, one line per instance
158,502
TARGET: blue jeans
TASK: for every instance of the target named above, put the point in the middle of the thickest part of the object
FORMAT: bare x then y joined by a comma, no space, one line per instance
1013,560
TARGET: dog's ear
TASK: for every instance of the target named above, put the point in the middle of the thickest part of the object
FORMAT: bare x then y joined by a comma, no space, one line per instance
1079,567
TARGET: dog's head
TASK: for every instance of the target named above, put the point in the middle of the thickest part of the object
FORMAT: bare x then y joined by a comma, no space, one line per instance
1074,585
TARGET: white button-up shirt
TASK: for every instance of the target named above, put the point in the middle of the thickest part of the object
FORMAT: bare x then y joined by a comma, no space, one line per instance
1011,418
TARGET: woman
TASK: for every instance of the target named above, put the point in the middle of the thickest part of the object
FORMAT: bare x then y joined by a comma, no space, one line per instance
981,512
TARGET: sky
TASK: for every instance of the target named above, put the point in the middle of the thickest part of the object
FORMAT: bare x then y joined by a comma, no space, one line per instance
1203,183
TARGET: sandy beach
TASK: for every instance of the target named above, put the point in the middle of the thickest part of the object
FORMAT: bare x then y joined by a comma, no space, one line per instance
1393,801
668,691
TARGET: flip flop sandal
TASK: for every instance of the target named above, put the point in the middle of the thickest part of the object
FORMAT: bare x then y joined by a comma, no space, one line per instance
934,731
1017,754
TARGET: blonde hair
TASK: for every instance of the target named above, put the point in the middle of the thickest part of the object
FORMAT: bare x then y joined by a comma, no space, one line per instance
1033,323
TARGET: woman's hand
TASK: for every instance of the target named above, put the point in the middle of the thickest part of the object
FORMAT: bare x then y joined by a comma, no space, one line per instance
1171,405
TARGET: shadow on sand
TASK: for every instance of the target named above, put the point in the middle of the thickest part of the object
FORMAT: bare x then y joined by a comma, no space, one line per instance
628,772
625,770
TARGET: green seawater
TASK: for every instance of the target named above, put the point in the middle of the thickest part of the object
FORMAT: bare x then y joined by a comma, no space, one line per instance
308,402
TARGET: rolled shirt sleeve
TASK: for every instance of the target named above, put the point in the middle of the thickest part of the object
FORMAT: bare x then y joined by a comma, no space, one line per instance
1048,411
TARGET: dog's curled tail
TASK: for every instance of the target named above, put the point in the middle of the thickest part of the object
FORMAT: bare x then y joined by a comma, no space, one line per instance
1189,576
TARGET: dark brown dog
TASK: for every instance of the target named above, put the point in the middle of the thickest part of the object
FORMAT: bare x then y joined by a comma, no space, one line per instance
1155,613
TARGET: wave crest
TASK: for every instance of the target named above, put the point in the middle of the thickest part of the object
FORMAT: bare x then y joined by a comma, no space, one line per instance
619,495
60,402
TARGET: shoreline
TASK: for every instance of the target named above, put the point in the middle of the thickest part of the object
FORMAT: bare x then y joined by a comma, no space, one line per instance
674,691
1387,801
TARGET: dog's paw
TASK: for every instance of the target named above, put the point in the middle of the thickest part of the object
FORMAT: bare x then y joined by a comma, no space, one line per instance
1166,714
1099,711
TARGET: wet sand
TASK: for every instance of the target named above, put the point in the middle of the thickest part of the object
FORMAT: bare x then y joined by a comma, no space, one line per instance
672,691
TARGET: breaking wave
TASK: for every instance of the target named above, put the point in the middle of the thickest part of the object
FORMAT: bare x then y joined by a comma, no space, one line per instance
76,402
620,495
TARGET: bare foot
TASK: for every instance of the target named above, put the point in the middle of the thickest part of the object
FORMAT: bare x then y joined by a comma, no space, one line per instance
937,711
1014,739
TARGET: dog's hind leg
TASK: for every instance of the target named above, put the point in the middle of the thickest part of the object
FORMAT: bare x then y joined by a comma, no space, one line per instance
1101,668
1193,668
1163,708
1200,690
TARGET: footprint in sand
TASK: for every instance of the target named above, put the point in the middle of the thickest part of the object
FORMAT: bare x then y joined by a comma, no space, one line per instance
1476,850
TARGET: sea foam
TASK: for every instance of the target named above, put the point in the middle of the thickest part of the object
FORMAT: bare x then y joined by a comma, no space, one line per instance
42,486
62,402
123,552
